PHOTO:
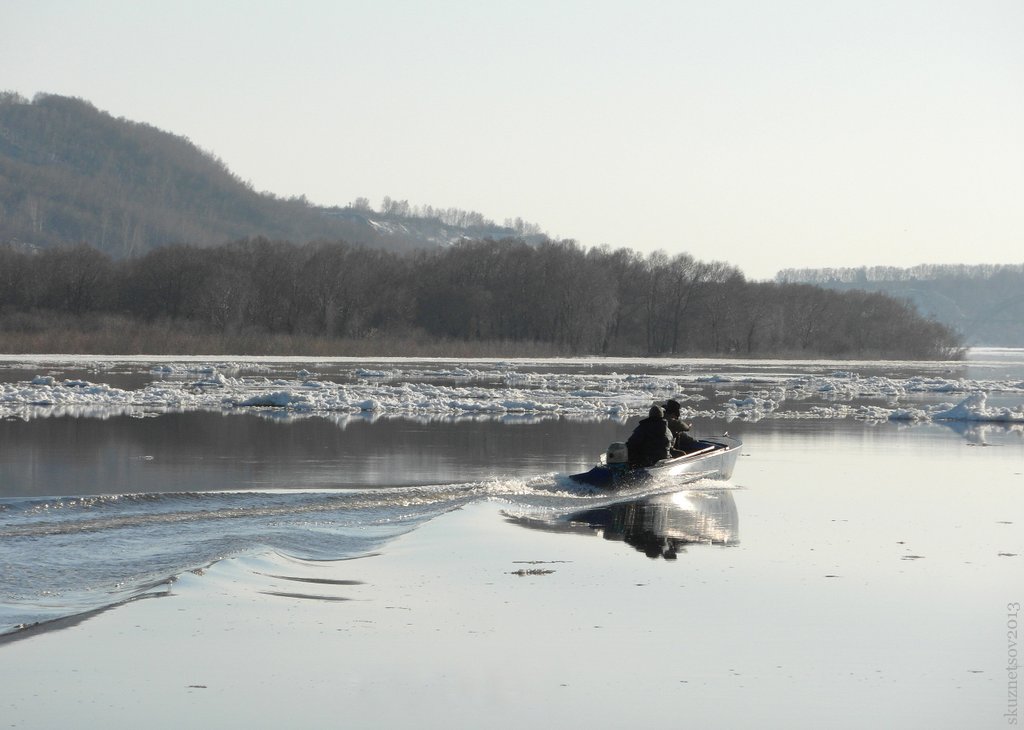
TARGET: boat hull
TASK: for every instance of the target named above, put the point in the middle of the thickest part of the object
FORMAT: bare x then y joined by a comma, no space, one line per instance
715,462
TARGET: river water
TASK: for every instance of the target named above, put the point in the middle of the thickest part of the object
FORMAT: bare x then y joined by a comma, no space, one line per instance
884,500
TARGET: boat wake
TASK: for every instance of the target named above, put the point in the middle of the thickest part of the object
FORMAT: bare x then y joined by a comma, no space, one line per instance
49,569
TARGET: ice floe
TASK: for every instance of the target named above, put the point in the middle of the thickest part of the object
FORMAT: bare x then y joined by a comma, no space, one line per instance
542,389
974,408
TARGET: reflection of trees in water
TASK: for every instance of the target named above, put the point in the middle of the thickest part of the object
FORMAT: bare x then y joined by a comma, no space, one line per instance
658,526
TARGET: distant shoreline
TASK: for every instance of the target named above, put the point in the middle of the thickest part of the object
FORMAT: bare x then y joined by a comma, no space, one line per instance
113,336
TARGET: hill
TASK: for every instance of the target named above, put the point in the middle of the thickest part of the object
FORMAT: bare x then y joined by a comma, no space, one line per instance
72,174
984,303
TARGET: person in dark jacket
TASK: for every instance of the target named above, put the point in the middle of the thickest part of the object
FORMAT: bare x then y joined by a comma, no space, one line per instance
682,442
651,440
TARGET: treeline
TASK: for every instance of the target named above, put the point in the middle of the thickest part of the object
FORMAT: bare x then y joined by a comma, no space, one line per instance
921,272
469,220
559,295
983,302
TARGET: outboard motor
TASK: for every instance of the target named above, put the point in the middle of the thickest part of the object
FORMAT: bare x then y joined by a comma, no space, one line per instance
614,466
617,454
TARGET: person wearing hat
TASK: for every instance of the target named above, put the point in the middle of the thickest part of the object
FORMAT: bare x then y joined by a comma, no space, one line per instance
682,442
651,440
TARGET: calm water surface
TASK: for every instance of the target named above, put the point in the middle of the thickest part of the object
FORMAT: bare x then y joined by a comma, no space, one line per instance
846,563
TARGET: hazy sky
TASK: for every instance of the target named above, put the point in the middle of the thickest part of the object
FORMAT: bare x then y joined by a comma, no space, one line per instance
767,134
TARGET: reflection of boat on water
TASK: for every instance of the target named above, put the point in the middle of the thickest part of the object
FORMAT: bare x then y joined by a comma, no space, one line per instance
664,524
658,526
715,459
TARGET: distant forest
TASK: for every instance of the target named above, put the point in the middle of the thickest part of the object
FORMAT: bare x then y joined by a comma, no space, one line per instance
257,296
984,303
71,174
117,237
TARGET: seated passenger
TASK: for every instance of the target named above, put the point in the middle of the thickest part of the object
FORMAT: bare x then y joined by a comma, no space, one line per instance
682,442
651,440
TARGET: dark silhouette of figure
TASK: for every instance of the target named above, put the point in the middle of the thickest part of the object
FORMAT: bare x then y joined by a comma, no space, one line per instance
682,442
651,440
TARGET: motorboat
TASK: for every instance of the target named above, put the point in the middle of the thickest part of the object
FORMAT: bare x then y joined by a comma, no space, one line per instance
711,458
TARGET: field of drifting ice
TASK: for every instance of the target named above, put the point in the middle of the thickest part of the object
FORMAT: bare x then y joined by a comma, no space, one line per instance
533,389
